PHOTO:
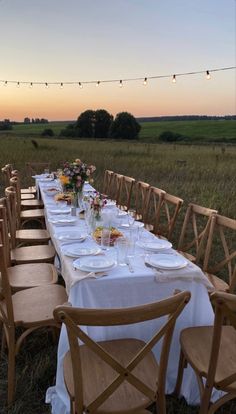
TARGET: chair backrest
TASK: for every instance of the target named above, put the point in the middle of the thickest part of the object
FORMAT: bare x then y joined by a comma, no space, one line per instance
225,309
195,230
220,254
34,168
166,220
126,189
75,318
154,203
116,187
4,232
6,306
141,199
107,180
6,170
12,216
15,182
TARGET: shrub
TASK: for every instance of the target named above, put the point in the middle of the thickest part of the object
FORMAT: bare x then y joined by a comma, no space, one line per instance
169,136
47,132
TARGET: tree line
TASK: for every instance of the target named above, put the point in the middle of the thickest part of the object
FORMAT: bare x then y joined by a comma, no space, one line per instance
101,124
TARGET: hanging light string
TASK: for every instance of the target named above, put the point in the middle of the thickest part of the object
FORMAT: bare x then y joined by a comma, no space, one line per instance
119,81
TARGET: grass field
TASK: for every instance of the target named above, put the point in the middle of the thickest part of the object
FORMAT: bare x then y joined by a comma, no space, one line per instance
195,131
207,178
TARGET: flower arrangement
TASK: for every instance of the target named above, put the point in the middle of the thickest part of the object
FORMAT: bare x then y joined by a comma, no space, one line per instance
97,202
74,174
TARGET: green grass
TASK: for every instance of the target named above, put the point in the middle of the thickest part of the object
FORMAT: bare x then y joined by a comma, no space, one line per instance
208,178
195,131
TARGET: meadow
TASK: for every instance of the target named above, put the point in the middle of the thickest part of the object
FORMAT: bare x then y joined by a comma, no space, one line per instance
194,131
206,177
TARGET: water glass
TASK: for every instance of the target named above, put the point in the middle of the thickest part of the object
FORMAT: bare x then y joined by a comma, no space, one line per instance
121,245
133,238
105,238
131,216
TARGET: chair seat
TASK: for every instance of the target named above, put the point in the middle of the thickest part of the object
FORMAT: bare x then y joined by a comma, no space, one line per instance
192,340
28,214
97,375
29,190
219,284
188,256
32,204
32,235
33,254
40,302
29,275
27,196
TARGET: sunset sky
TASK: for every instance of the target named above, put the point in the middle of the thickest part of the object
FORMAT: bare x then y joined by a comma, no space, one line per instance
91,40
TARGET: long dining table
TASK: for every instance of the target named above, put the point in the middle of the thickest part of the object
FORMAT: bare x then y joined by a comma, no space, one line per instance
122,286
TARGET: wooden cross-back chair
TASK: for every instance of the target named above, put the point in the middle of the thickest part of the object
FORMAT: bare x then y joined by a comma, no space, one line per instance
120,375
28,309
26,193
127,185
34,168
141,199
211,352
116,187
220,254
42,253
107,181
168,214
154,203
194,233
25,216
25,203
24,276
21,236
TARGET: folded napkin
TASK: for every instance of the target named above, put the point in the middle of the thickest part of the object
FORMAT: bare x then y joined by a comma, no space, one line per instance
82,275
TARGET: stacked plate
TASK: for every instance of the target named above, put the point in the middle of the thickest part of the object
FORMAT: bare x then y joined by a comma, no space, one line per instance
94,264
157,245
63,220
166,261
75,250
137,224
60,210
72,235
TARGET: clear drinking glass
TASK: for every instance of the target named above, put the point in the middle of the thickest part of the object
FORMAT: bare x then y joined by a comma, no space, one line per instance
131,216
121,245
105,238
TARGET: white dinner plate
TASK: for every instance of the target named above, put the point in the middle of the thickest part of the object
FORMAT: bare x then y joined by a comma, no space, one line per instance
51,192
94,264
121,213
157,245
128,226
166,261
60,210
75,250
70,235
62,220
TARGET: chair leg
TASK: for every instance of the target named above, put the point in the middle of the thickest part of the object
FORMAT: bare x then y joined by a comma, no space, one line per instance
3,342
161,403
11,373
205,400
182,365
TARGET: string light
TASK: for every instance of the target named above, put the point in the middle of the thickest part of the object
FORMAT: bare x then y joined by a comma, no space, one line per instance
121,82
18,84
61,86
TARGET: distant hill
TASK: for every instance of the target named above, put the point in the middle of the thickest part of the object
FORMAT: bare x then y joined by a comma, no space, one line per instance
186,118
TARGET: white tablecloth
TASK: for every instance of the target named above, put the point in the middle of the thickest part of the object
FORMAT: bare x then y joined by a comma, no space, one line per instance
121,288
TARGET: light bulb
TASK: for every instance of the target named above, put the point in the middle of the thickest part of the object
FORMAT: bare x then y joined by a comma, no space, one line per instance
174,79
18,84
61,86
98,83
208,76
80,85
31,85
121,84
46,85
145,81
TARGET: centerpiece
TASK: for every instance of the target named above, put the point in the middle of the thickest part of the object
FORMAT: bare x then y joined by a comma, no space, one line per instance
97,202
73,176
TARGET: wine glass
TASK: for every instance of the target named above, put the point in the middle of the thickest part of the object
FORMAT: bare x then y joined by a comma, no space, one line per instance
131,216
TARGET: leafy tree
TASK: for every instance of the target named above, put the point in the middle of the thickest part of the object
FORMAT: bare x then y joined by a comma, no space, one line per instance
85,124
102,123
125,126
